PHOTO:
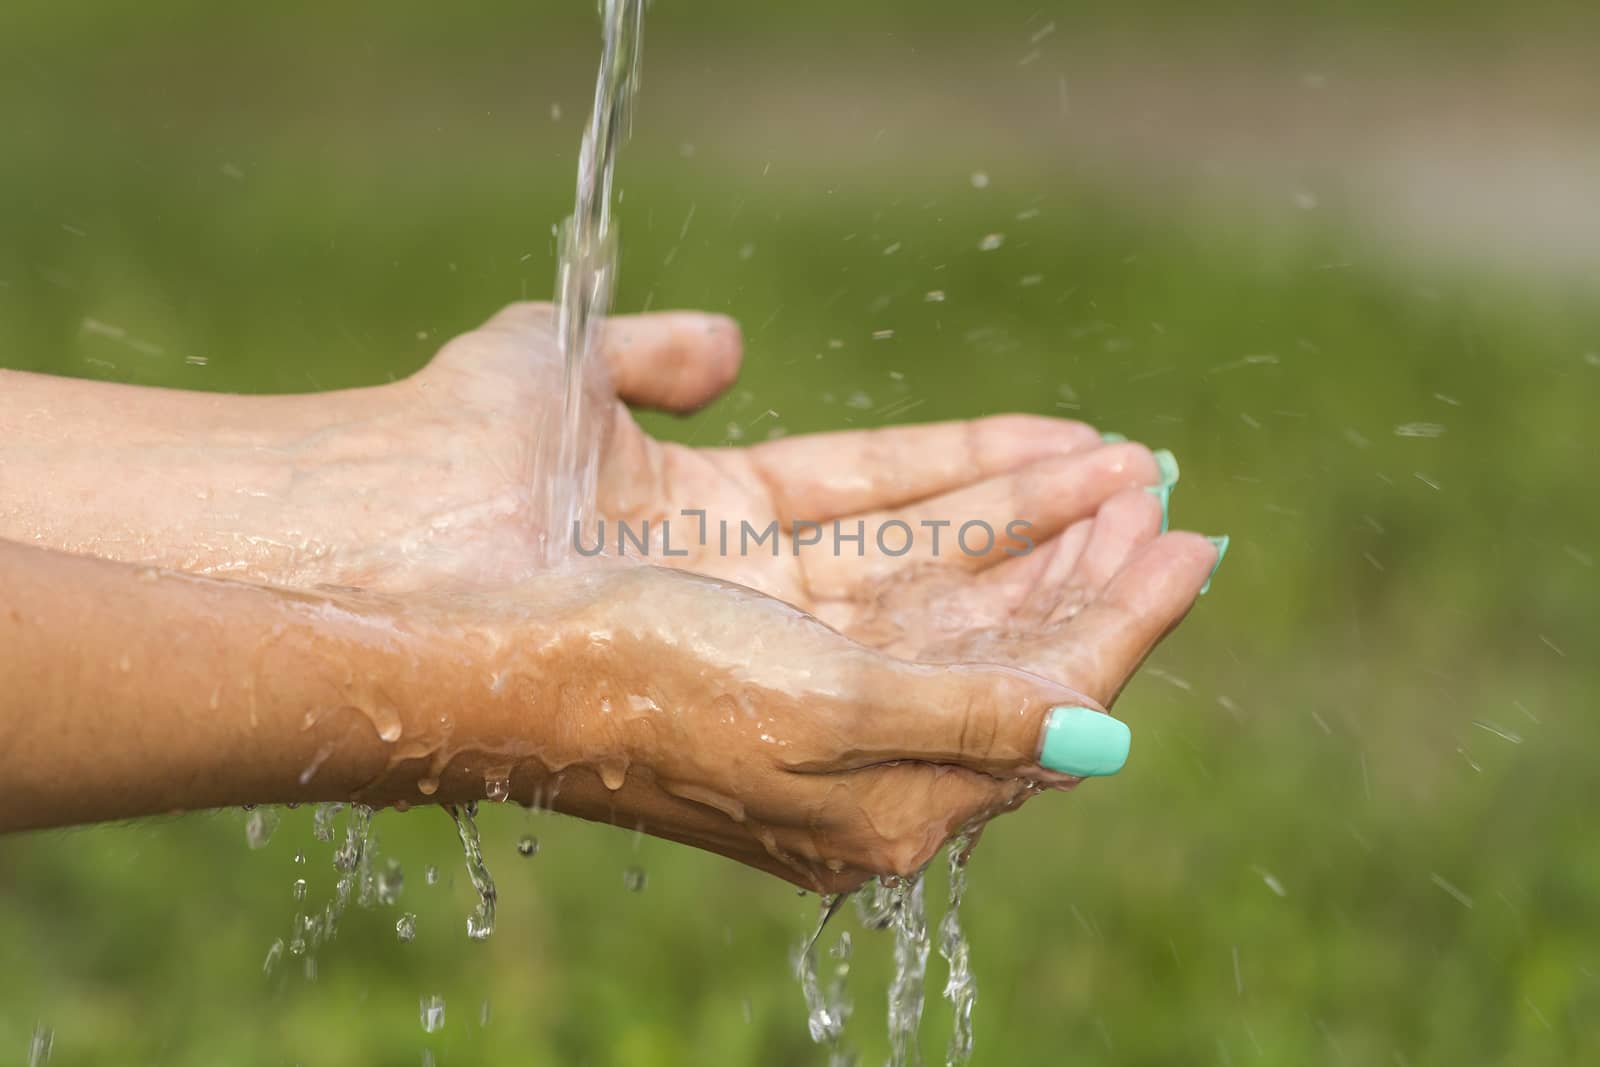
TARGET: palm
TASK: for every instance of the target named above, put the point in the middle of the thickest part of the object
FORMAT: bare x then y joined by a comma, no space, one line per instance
1079,496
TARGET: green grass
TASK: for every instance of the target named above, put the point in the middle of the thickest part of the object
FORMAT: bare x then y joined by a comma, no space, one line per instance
1312,726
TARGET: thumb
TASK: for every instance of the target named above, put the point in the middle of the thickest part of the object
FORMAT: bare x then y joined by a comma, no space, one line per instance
1000,721
676,361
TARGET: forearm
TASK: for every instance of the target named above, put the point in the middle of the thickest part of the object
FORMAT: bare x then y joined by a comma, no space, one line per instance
126,691
203,482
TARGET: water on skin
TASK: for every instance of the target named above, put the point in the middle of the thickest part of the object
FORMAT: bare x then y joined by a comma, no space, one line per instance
480,924
586,276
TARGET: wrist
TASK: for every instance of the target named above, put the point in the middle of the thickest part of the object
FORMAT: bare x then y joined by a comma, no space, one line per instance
502,696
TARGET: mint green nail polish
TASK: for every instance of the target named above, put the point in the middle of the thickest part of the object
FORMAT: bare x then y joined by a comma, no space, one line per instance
1084,742
1222,550
1167,464
1162,493
1114,438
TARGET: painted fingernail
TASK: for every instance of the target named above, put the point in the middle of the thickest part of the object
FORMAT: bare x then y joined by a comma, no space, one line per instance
1084,742
1167,464
1162,493
1114,438
1221,544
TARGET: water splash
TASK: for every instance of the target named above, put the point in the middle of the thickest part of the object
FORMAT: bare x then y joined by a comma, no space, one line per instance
258,827
353,862
911,945
480,924
827,1009
431,1010
391,882
322,820
586,276
960,988
634,879
41,1045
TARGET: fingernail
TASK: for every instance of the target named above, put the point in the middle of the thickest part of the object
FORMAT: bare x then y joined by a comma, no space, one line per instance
1162,493
1084,742
1167,464
1114,438
1222,550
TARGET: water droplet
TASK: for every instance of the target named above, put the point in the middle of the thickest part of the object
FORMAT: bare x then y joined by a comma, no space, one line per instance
431,875
299,889
391,880
300,856
528,845
497,785
427,786
41,1045
613,775
480,924
934,296
259,826
432,1009
980,180
960,988
322,821
991,242
274,954
405,928
634,879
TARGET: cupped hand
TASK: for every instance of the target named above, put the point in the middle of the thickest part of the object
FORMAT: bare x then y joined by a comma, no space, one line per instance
492,395
710,714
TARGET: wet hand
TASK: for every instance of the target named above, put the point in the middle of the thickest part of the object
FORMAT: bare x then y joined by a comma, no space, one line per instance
922,584
710,714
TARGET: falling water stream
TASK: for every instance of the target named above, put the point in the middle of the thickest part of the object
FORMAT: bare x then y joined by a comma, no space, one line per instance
568,460
585,278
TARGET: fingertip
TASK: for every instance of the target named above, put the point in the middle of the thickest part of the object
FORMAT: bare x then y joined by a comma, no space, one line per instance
677,361
1192,558
1134,462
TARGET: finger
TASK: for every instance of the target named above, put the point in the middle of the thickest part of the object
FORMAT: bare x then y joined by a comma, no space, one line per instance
1127,521
819,477
676,361
985,718
1113,633
984,524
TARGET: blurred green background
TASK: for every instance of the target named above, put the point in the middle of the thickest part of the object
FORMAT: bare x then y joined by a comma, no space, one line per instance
1343,258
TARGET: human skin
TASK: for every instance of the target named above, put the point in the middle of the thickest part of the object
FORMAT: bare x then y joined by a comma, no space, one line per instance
435,478
417,493
694,710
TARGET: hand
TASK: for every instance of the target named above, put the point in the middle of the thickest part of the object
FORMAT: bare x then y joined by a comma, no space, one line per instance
709,714
486,390
437,479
